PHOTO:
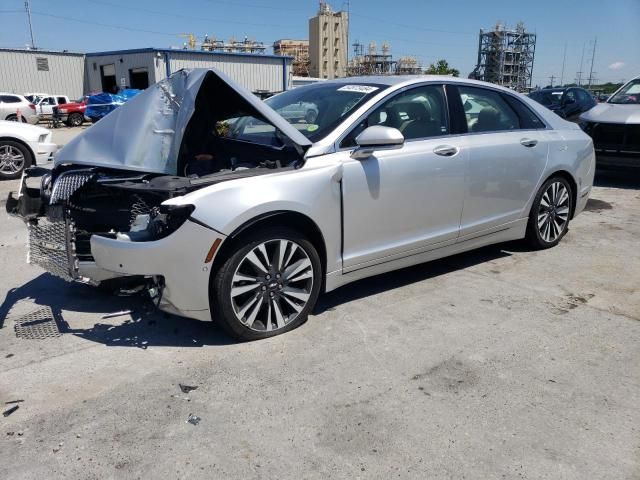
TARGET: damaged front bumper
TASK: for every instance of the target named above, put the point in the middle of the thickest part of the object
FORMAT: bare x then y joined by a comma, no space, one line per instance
58,246
182,255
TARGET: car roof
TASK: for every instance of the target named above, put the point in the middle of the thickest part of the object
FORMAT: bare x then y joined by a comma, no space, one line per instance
394,80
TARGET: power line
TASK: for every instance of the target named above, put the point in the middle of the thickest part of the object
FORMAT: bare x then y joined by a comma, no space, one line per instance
120,27
178,15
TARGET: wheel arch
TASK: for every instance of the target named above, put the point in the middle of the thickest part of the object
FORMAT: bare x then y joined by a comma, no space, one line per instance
24,144
283,218
572,182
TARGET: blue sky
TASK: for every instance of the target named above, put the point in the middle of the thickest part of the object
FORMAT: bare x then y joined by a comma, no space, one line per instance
428,29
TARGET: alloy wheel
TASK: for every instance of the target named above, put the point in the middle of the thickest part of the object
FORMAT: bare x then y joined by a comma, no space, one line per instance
553,214
272,285
11,160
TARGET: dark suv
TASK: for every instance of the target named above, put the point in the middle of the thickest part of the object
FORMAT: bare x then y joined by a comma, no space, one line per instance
569,103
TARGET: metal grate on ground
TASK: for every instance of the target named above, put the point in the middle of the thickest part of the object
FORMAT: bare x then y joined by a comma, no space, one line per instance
39,324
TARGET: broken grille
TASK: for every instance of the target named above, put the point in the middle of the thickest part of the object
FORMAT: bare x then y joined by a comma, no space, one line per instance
67,184
51,247
37,325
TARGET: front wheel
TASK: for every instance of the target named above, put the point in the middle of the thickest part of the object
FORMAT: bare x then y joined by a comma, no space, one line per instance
268,286
14,158
550,213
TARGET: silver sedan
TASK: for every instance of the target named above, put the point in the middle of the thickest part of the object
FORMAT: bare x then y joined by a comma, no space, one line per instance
225,210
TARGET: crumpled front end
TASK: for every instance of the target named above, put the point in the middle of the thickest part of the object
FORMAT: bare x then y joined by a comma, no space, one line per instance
90,225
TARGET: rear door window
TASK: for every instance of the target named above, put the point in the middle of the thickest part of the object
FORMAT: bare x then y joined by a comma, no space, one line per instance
486,111
528,119
10,99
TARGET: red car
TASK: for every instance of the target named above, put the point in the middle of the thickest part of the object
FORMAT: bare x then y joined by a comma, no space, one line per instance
72,113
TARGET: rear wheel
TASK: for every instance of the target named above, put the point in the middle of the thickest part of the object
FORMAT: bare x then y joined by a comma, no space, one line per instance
14,158
75,119
549,217
268,286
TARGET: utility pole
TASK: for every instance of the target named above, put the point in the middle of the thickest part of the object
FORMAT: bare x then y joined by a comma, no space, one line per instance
579,74
564,60
28,9
552,78
593,57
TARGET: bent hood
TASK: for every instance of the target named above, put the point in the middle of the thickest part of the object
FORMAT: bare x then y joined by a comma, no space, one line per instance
145,134
612,113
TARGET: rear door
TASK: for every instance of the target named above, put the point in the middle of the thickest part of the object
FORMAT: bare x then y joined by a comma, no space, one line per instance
508,150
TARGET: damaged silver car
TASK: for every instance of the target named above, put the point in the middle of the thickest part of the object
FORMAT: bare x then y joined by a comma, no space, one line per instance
225,210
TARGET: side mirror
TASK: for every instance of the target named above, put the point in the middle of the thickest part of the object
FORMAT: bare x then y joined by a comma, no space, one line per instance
568,101
375,138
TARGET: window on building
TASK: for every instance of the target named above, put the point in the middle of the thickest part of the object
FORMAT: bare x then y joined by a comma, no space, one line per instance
42,64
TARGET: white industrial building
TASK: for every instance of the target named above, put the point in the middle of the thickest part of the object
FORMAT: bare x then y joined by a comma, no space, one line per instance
75,74
58,73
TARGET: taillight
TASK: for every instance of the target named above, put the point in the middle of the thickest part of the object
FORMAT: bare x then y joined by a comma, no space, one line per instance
32,107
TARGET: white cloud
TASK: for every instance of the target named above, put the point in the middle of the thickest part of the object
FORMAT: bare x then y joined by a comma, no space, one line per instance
616,65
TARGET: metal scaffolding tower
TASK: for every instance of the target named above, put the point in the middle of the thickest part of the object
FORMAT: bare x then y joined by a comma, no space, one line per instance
375,63
505,57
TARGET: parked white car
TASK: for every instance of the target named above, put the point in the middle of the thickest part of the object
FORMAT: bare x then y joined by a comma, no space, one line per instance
22,146
11,104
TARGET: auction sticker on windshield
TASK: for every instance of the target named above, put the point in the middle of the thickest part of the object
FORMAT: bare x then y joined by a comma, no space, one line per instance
358,88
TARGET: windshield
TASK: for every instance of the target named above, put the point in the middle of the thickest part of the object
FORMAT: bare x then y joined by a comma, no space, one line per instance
315,110
546,97
629,94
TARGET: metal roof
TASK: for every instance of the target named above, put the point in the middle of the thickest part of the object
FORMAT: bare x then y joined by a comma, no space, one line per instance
181,50
38,50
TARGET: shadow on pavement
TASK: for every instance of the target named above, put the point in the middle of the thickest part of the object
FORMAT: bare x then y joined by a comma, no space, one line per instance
417,273
145,326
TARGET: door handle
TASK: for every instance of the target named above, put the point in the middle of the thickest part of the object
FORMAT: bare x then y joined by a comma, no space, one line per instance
446,150
528,142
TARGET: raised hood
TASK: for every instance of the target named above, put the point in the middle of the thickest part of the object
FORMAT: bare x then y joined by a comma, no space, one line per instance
145,133
612,113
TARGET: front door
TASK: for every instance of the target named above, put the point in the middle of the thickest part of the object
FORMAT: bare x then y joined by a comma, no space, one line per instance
508,148
400,202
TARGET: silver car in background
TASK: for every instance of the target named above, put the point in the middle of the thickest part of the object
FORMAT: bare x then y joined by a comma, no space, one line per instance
615,127
391,172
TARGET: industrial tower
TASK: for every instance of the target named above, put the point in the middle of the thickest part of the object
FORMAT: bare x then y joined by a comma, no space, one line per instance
505,57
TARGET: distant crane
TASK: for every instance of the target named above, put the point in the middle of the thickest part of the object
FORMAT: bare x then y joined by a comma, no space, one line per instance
191,40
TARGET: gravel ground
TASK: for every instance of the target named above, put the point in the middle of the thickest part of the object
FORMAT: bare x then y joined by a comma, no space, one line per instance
499,363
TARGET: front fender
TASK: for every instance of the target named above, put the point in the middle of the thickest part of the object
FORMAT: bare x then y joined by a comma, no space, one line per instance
314,192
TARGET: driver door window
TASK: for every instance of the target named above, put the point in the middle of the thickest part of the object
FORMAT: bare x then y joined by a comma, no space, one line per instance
418,113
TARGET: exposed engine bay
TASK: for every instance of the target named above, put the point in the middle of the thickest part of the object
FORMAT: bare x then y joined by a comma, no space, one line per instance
64,208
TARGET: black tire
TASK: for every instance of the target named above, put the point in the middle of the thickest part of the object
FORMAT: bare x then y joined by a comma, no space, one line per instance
75,119
535,233
27,159
12,118
220,295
